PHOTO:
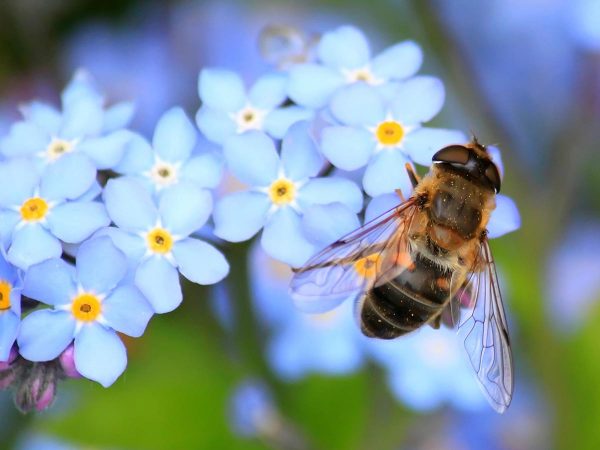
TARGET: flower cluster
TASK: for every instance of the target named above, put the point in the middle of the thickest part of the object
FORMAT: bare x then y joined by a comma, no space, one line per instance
98,222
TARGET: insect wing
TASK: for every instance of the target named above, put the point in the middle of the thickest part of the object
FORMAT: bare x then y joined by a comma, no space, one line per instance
483,325
354,262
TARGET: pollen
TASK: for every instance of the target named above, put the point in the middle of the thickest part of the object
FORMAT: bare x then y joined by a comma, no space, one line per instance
86,307
363,74
34,209
159,241
389,133
5,288
57,148
369,266
282,191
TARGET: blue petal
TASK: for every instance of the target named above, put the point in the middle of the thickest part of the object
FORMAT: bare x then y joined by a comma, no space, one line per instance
221,89
418,100
299,154
100,265
269,91
9,328
24,138
8,221
138,156
346,147
399,61
279,120
327,223
18,180
359,105
312,85
44,116
386,173
200,262
329,190
132,245
45,334
252,206
283,238
344,48
184,208
51,282
129,205
80,87
73,222
205,170
118,116
423,143
505,218
214,124
99,354
127,311
158,280
252,158
82,118
108,150
92,193
382,204
32,244
69,177
175,136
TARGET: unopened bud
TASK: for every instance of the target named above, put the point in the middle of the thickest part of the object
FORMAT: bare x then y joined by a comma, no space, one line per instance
36,389
4,365
67,362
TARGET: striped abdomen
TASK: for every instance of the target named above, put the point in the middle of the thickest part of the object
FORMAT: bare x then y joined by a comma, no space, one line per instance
403,304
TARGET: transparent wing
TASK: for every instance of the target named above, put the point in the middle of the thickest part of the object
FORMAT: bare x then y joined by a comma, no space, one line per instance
483,325
351,265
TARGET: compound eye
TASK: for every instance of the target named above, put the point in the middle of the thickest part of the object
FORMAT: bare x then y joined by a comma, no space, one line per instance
493,176
454,154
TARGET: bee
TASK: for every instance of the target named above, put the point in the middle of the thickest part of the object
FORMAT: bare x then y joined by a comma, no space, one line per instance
426,261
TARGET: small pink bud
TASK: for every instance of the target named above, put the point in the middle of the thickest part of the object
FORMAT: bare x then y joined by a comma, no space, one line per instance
11,357
6,379
67,362
43,396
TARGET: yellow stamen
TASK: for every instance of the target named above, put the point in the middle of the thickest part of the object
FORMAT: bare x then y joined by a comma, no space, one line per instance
58,147
159,240
34,209
282,191
369,266
5,288
86,307
389,133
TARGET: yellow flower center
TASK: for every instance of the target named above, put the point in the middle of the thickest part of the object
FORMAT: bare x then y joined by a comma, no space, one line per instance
5,289
86,307
57,148
159,240
369,266
34,209
282,191
164,174
389,133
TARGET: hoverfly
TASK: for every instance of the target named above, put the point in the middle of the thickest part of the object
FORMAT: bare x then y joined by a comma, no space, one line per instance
426,261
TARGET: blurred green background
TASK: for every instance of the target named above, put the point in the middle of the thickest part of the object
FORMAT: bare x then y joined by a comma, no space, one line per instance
524,75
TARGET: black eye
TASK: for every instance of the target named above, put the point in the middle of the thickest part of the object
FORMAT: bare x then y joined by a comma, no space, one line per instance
457,154
492,174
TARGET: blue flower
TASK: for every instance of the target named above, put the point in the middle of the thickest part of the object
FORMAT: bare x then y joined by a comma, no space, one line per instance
90,305
427,369
228,110
300,343
282,189
169,160
10,307
346,59
385,134
252,411
83,126
156,238
38,212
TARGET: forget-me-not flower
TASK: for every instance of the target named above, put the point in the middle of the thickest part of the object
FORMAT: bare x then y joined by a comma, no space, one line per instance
282,189
169,160
227,109
386,133
10,306
156,238
38,212
84,126
345,59
89,306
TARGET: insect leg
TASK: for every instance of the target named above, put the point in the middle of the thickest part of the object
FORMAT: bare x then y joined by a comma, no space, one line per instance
414,178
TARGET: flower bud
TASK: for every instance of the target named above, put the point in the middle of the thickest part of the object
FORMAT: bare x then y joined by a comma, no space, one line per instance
67,362
4,365
36,388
